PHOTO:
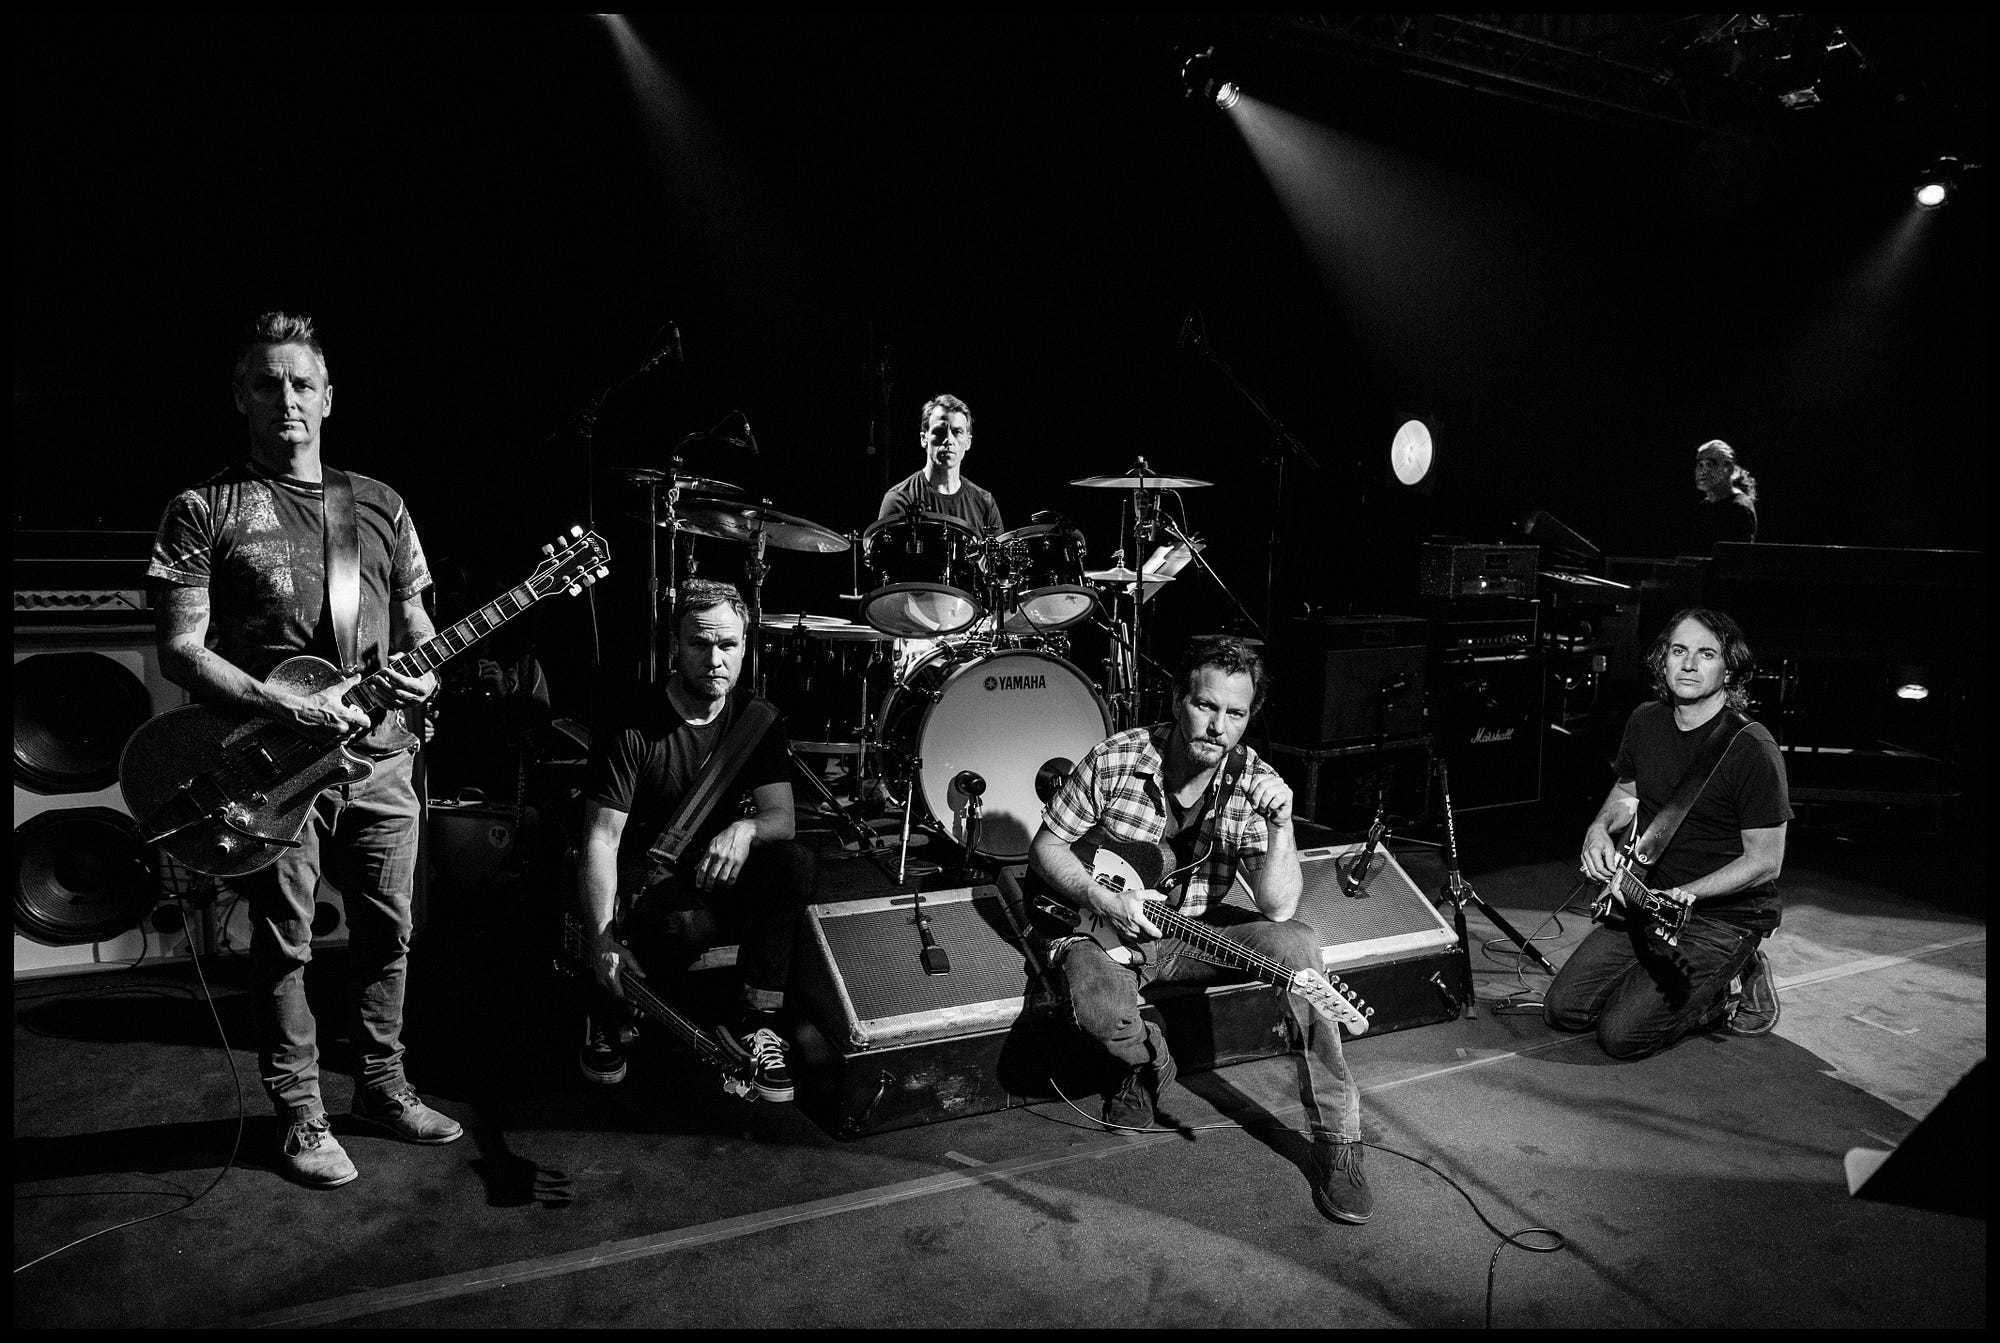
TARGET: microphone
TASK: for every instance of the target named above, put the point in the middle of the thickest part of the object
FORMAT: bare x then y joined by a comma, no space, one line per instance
659,356
969,783
1190,329
749,439
741,438
1147,504
1354,884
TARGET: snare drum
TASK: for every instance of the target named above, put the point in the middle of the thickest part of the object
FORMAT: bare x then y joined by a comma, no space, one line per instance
1037,573
922,571
1019,718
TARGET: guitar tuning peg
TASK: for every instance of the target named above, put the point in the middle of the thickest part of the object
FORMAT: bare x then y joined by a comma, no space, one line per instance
575,530
604,571
574,589
548,550
1367,1011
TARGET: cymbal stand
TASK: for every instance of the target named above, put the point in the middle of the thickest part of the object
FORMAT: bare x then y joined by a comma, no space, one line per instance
1182,538
756,570
670,522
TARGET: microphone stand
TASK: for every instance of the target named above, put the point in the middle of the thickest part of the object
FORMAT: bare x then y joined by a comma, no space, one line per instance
1460,893
1181,538
1282,440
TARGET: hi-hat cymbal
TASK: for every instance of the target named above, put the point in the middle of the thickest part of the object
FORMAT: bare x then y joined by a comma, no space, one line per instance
686,524
742,522
1142,482
646,475
1123,575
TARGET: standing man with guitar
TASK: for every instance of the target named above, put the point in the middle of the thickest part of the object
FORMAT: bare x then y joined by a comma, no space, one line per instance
1225,817
1702,805
281,555
668,859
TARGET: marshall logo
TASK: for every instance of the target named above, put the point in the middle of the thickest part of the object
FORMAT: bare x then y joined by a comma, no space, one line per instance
1017,683
1492,734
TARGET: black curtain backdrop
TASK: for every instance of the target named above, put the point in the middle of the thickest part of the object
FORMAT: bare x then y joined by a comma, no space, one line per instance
493,224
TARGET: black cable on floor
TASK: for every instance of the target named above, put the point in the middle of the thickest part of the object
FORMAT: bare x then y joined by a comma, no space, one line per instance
1187,1131
241,1118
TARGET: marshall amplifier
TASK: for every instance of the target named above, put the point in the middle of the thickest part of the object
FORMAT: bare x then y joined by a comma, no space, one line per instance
1489,673
1455,572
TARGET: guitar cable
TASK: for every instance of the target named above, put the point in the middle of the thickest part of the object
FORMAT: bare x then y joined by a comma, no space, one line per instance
1552,1242
242,1117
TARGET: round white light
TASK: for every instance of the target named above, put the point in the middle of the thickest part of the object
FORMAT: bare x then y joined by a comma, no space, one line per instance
1410,452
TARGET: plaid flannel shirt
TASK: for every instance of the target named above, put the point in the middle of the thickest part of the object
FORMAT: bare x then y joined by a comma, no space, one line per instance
1118,785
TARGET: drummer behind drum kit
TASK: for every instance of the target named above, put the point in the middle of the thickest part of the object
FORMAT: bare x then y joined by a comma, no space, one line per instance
957,675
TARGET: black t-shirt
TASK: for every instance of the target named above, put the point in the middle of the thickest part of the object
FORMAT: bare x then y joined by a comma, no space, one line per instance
645,764
1733,519
970,504
1746,792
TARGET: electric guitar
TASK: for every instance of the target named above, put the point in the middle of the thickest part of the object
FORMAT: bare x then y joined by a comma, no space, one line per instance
735,1071
1664,915
225,792
1111,863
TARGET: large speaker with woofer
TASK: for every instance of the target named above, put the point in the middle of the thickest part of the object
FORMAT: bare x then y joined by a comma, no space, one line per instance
85,890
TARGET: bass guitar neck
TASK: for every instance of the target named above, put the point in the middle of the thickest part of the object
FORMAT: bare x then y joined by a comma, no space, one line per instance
575,960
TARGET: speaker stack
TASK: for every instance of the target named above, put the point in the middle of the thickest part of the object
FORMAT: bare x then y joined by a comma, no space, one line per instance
1487,669
86,892
1348,718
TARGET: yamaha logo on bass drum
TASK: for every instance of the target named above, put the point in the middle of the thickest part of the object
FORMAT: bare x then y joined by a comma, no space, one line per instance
1017,683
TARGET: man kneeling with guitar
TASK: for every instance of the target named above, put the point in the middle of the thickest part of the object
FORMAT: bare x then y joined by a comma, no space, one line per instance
1225,816
1702,803
667,862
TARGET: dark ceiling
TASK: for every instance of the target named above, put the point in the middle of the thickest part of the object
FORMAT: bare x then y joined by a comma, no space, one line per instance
1585,243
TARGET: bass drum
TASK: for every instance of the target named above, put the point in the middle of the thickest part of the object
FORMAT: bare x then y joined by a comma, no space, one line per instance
1018,718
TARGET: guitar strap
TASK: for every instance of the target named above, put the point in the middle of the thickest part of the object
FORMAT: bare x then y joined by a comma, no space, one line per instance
343,566
1183,840
1700,770
730,756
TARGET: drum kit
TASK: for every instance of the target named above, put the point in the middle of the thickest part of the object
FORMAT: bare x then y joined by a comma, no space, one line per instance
956,675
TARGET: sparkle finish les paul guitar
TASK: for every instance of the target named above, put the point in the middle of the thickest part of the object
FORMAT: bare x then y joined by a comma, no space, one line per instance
225,792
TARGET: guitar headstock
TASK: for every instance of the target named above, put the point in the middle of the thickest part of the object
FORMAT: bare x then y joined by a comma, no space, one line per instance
1333,1000
573,561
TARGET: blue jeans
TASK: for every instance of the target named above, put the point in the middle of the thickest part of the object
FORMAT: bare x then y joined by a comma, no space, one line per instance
1640,994
364,837
1104,1001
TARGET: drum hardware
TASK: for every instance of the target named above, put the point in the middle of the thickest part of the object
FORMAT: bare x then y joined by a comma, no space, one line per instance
646,475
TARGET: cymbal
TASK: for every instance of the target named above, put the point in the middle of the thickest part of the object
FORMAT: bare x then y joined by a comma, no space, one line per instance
687,524
1122,575
1142,482
741,522
772,619
646,475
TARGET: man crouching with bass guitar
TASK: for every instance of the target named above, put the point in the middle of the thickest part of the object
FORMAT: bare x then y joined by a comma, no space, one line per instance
1688,847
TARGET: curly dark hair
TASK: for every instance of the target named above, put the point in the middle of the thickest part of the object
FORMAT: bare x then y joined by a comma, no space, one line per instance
1739,664
1227,654
278,328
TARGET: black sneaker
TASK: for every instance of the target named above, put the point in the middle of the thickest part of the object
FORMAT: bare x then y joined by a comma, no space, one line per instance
1340,1190
1756,1000
602,1058
765,1051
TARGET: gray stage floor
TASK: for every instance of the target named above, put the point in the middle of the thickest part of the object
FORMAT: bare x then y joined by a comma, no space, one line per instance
1703,1188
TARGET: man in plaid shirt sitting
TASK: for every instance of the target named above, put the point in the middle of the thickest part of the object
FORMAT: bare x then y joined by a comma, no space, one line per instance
1226,817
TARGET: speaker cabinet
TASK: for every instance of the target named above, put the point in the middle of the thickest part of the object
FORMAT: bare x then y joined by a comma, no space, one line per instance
1344,679
1489,730
85,891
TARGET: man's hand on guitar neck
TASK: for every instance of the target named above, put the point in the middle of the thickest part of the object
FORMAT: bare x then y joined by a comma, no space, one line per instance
610,961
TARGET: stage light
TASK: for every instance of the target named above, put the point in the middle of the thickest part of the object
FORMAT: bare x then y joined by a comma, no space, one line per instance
1937,183
1202,77
1911,683
1412,453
